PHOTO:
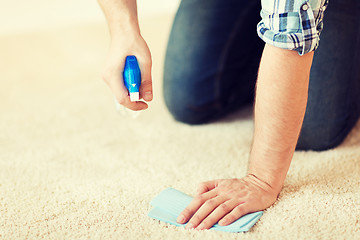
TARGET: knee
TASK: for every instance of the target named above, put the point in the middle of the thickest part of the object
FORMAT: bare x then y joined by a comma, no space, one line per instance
186,101
185,114
183,107
323,136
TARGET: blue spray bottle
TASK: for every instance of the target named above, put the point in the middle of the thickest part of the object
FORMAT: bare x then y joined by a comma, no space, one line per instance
132,77
132,81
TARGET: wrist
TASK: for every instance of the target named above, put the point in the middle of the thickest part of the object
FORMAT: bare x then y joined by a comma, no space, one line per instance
274,183
124,28
270,168
270,164
263,184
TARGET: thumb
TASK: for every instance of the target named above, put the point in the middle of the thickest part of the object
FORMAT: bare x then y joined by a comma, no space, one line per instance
207,186
146,89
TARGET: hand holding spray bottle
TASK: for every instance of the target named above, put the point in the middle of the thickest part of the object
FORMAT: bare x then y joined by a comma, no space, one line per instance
132,81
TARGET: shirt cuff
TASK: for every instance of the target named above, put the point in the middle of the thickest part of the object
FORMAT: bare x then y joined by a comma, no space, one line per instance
297,30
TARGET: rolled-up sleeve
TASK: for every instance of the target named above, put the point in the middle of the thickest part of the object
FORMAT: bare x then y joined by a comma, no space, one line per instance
292,24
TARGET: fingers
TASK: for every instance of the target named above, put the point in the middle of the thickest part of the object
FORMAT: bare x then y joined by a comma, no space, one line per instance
146,89
115,81
214,209
206,186
204,211
220,211
225,201
135,106
189,211
239,211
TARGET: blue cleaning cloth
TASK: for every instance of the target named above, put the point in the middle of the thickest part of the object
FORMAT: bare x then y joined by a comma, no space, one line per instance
170,203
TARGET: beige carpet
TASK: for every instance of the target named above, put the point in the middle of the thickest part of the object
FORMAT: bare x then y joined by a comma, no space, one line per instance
72,168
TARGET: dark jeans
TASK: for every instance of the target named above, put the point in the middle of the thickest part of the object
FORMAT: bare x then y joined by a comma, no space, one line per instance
213,56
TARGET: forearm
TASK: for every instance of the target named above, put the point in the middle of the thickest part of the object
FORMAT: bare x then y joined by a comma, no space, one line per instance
121,16
281,97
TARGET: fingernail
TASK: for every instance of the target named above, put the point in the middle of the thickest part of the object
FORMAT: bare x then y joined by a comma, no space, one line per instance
201,227
148,95
181,219
223,222
189,226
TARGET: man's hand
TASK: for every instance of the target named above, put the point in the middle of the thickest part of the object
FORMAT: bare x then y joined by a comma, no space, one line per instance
126,40
226,200
130,44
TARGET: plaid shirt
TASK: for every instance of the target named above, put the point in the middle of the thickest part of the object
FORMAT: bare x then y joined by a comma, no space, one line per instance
292,24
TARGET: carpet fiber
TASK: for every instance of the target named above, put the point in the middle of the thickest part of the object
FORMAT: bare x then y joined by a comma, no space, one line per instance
71,167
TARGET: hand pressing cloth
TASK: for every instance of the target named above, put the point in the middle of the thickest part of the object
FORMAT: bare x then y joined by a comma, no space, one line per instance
170,203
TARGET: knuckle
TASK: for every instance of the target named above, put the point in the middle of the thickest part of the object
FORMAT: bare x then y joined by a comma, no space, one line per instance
186,212
196,219
210,202
146,83
229,218
208,222
199,199
239,210
121,101
224,207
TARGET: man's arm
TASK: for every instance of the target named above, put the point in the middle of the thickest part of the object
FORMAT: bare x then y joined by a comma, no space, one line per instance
280,105
281,97
126,40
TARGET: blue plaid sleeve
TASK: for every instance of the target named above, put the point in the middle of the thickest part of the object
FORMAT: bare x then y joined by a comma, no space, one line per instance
292,24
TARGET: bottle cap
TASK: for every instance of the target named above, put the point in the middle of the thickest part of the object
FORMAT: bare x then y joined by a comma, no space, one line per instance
134,96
